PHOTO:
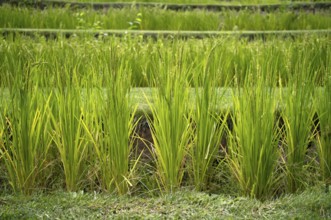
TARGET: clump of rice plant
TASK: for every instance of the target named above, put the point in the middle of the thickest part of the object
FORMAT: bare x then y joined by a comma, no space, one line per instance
113,126
69,134
253,149
298,115
171,127
25,137
208,128
323,106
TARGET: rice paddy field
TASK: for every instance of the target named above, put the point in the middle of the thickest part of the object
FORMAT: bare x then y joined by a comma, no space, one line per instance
237,118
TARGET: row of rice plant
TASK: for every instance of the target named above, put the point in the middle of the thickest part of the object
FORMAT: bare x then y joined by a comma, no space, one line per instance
160,19
41,129
60,129
47,62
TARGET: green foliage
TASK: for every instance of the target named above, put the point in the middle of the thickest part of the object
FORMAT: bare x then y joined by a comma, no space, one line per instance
136,24
82,23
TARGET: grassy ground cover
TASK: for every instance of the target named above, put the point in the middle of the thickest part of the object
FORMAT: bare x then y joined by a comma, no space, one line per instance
159,19
208,1
312,204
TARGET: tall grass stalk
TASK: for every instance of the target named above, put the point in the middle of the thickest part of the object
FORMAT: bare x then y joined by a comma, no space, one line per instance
253,149
26,138
208,126
171,127
323,106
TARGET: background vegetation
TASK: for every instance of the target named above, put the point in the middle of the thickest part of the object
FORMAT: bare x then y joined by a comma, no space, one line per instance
161,19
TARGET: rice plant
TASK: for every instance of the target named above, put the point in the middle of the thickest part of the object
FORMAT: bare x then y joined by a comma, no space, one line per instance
69,133
253,150
112,129
26,139
171,127
298,116
208,127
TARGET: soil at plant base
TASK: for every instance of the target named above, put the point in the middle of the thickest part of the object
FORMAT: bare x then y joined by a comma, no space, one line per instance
144,144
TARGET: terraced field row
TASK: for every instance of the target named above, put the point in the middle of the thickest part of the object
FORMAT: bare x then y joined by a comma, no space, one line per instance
180,5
